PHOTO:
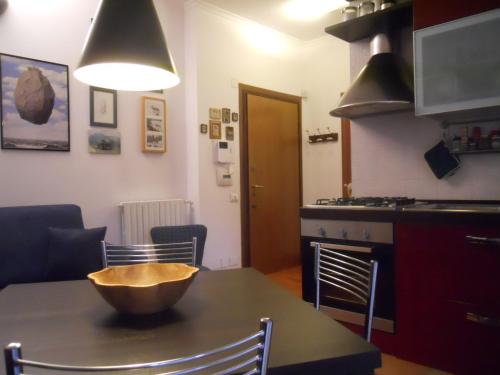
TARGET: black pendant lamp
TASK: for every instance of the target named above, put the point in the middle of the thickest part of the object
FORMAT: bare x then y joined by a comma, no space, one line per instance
126,49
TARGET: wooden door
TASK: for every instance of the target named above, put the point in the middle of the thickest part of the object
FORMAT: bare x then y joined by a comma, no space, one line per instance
272,179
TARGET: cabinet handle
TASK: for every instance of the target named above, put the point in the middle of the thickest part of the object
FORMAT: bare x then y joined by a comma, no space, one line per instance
483,320
482,240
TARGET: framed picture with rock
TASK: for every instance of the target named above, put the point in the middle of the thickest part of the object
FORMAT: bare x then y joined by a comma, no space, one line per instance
35,104
153,125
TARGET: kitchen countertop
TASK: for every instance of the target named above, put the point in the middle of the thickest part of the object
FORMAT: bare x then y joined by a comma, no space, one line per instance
456,212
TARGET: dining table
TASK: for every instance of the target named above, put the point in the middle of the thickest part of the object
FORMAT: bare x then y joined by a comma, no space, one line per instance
69,322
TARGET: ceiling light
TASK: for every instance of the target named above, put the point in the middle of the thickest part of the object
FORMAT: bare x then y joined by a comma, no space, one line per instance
126,49
308,10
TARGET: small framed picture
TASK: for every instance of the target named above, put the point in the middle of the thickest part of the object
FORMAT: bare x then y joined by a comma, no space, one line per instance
229,133
103,107
226,115
104,141
234,116
215,130
214,113
203,128
153,125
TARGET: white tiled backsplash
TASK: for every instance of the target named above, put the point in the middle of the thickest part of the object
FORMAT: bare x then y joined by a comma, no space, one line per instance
388,159
388,154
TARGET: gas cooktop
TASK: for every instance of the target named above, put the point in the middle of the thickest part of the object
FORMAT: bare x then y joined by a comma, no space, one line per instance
364,202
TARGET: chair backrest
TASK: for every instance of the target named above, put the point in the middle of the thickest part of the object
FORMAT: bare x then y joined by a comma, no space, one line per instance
182,233
354,276
178,252
250,354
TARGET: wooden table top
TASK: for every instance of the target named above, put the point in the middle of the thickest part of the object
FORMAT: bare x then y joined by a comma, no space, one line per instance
68,322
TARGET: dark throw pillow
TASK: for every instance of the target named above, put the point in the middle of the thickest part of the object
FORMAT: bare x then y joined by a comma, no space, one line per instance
74,253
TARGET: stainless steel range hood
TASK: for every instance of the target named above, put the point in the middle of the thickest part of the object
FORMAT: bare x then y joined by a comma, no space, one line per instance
384,85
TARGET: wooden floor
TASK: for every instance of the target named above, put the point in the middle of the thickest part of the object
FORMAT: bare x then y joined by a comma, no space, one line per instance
291,279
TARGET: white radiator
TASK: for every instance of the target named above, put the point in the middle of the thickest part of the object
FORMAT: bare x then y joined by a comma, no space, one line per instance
140,216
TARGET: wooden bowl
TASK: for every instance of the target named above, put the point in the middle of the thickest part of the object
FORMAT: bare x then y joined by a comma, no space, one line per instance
143,288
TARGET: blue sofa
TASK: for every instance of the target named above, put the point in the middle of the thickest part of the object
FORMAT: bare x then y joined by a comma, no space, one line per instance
24,239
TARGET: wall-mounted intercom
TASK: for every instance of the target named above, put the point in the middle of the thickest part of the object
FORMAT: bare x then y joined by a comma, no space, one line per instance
224,152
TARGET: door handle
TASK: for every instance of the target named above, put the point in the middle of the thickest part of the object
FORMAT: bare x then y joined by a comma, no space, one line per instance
482,240
257,186
483,320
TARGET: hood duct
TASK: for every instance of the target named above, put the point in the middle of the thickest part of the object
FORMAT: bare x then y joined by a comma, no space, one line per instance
384,85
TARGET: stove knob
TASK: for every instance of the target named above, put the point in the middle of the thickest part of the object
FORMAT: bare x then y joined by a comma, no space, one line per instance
322,232
366,235
343,233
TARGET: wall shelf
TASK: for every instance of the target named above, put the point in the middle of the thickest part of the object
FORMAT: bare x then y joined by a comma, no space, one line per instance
475,152
396,17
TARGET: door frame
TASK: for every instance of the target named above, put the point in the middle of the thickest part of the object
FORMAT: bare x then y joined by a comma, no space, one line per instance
244,91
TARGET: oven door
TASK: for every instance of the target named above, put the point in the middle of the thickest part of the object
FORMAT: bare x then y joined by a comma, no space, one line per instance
342,305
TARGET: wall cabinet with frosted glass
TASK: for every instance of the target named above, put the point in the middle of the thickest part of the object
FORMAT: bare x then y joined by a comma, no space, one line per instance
456,69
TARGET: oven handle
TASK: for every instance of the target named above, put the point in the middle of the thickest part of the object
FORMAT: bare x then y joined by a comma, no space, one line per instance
339,247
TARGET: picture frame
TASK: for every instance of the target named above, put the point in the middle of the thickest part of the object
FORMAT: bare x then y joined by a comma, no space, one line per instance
154,137
215,129
25,123
203,128
104,141
229,133
214,113
226,115
234,116
103,107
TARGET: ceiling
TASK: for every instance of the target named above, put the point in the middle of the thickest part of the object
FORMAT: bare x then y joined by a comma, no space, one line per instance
270,13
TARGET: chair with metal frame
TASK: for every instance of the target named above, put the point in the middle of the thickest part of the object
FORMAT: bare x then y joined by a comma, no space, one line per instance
352,275
179,252
181,233
250,354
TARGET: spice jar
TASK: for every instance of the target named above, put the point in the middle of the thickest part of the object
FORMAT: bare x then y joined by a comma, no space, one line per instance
455,144
366,7
495,142
386,4
349,12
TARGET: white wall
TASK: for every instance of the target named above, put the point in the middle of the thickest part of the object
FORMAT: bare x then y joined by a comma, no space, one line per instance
231,50
325,75
54,30
388,152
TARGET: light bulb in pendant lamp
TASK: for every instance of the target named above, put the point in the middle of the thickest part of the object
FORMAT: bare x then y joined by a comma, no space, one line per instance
126,49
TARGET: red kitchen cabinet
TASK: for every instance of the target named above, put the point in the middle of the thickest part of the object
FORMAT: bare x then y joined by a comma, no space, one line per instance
448,297
429,13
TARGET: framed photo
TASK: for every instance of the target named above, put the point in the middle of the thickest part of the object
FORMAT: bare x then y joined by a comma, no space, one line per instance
35,104
153,125
214,113
226,115
215,130
235,116
229,133
203,128
102,107
104,141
